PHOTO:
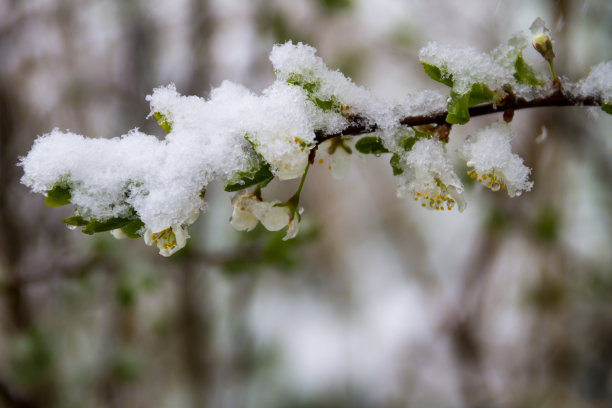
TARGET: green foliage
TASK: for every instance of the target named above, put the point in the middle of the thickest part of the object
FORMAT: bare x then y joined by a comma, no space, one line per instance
374,145
133,228
94,225
480,93
548,293
259,174
607,107
459,104
163,121
126,365
75,221
371,145
546,227
332,6
437,74
458,108
59,195
496,220
312,86
129,226
396,164
32,355
524,73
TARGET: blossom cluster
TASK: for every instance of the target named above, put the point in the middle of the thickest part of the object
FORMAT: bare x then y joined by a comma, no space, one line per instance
137,185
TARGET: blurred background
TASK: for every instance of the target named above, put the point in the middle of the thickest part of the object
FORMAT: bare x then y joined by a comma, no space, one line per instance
377,303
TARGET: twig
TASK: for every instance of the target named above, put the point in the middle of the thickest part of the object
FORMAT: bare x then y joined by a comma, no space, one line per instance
359,125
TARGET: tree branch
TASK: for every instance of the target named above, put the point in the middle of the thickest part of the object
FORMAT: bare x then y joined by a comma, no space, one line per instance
359,125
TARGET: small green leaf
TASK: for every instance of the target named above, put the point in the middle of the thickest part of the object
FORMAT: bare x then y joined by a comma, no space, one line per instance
76,221
607,107
243,179
100,226
480,93
371,145
395,164
132,229
312,85
459,104
524,73
163,121
437,74
408,142
329,105
58,196
458,113
300,80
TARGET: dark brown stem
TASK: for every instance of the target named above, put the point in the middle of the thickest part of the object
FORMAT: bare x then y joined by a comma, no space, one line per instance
359,125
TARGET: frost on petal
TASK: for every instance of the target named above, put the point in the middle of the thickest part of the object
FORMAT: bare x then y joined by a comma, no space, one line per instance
489,155
429,177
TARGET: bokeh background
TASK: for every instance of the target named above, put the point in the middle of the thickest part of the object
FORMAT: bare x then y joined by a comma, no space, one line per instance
377,303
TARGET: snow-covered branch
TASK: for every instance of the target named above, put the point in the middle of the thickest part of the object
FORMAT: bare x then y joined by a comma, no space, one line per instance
139,186
558,98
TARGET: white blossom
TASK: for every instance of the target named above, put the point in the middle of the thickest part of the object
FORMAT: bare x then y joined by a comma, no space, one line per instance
429,177
489,155
287,154
338,155
169,240
273,215
242,219
172,239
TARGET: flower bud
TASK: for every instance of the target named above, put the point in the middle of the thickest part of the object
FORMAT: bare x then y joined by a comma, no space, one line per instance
541,39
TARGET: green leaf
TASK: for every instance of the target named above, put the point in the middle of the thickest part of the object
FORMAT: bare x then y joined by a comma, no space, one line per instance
328,105
312,85
480,93
524,73
458,113
163,121
242,179
607,107
76,221
132,229
100,226
395,164
58,195
408,142
371,145
437,74
459,104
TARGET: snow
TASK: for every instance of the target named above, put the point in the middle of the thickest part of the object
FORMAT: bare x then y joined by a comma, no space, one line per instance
489,153
467,66
598,83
